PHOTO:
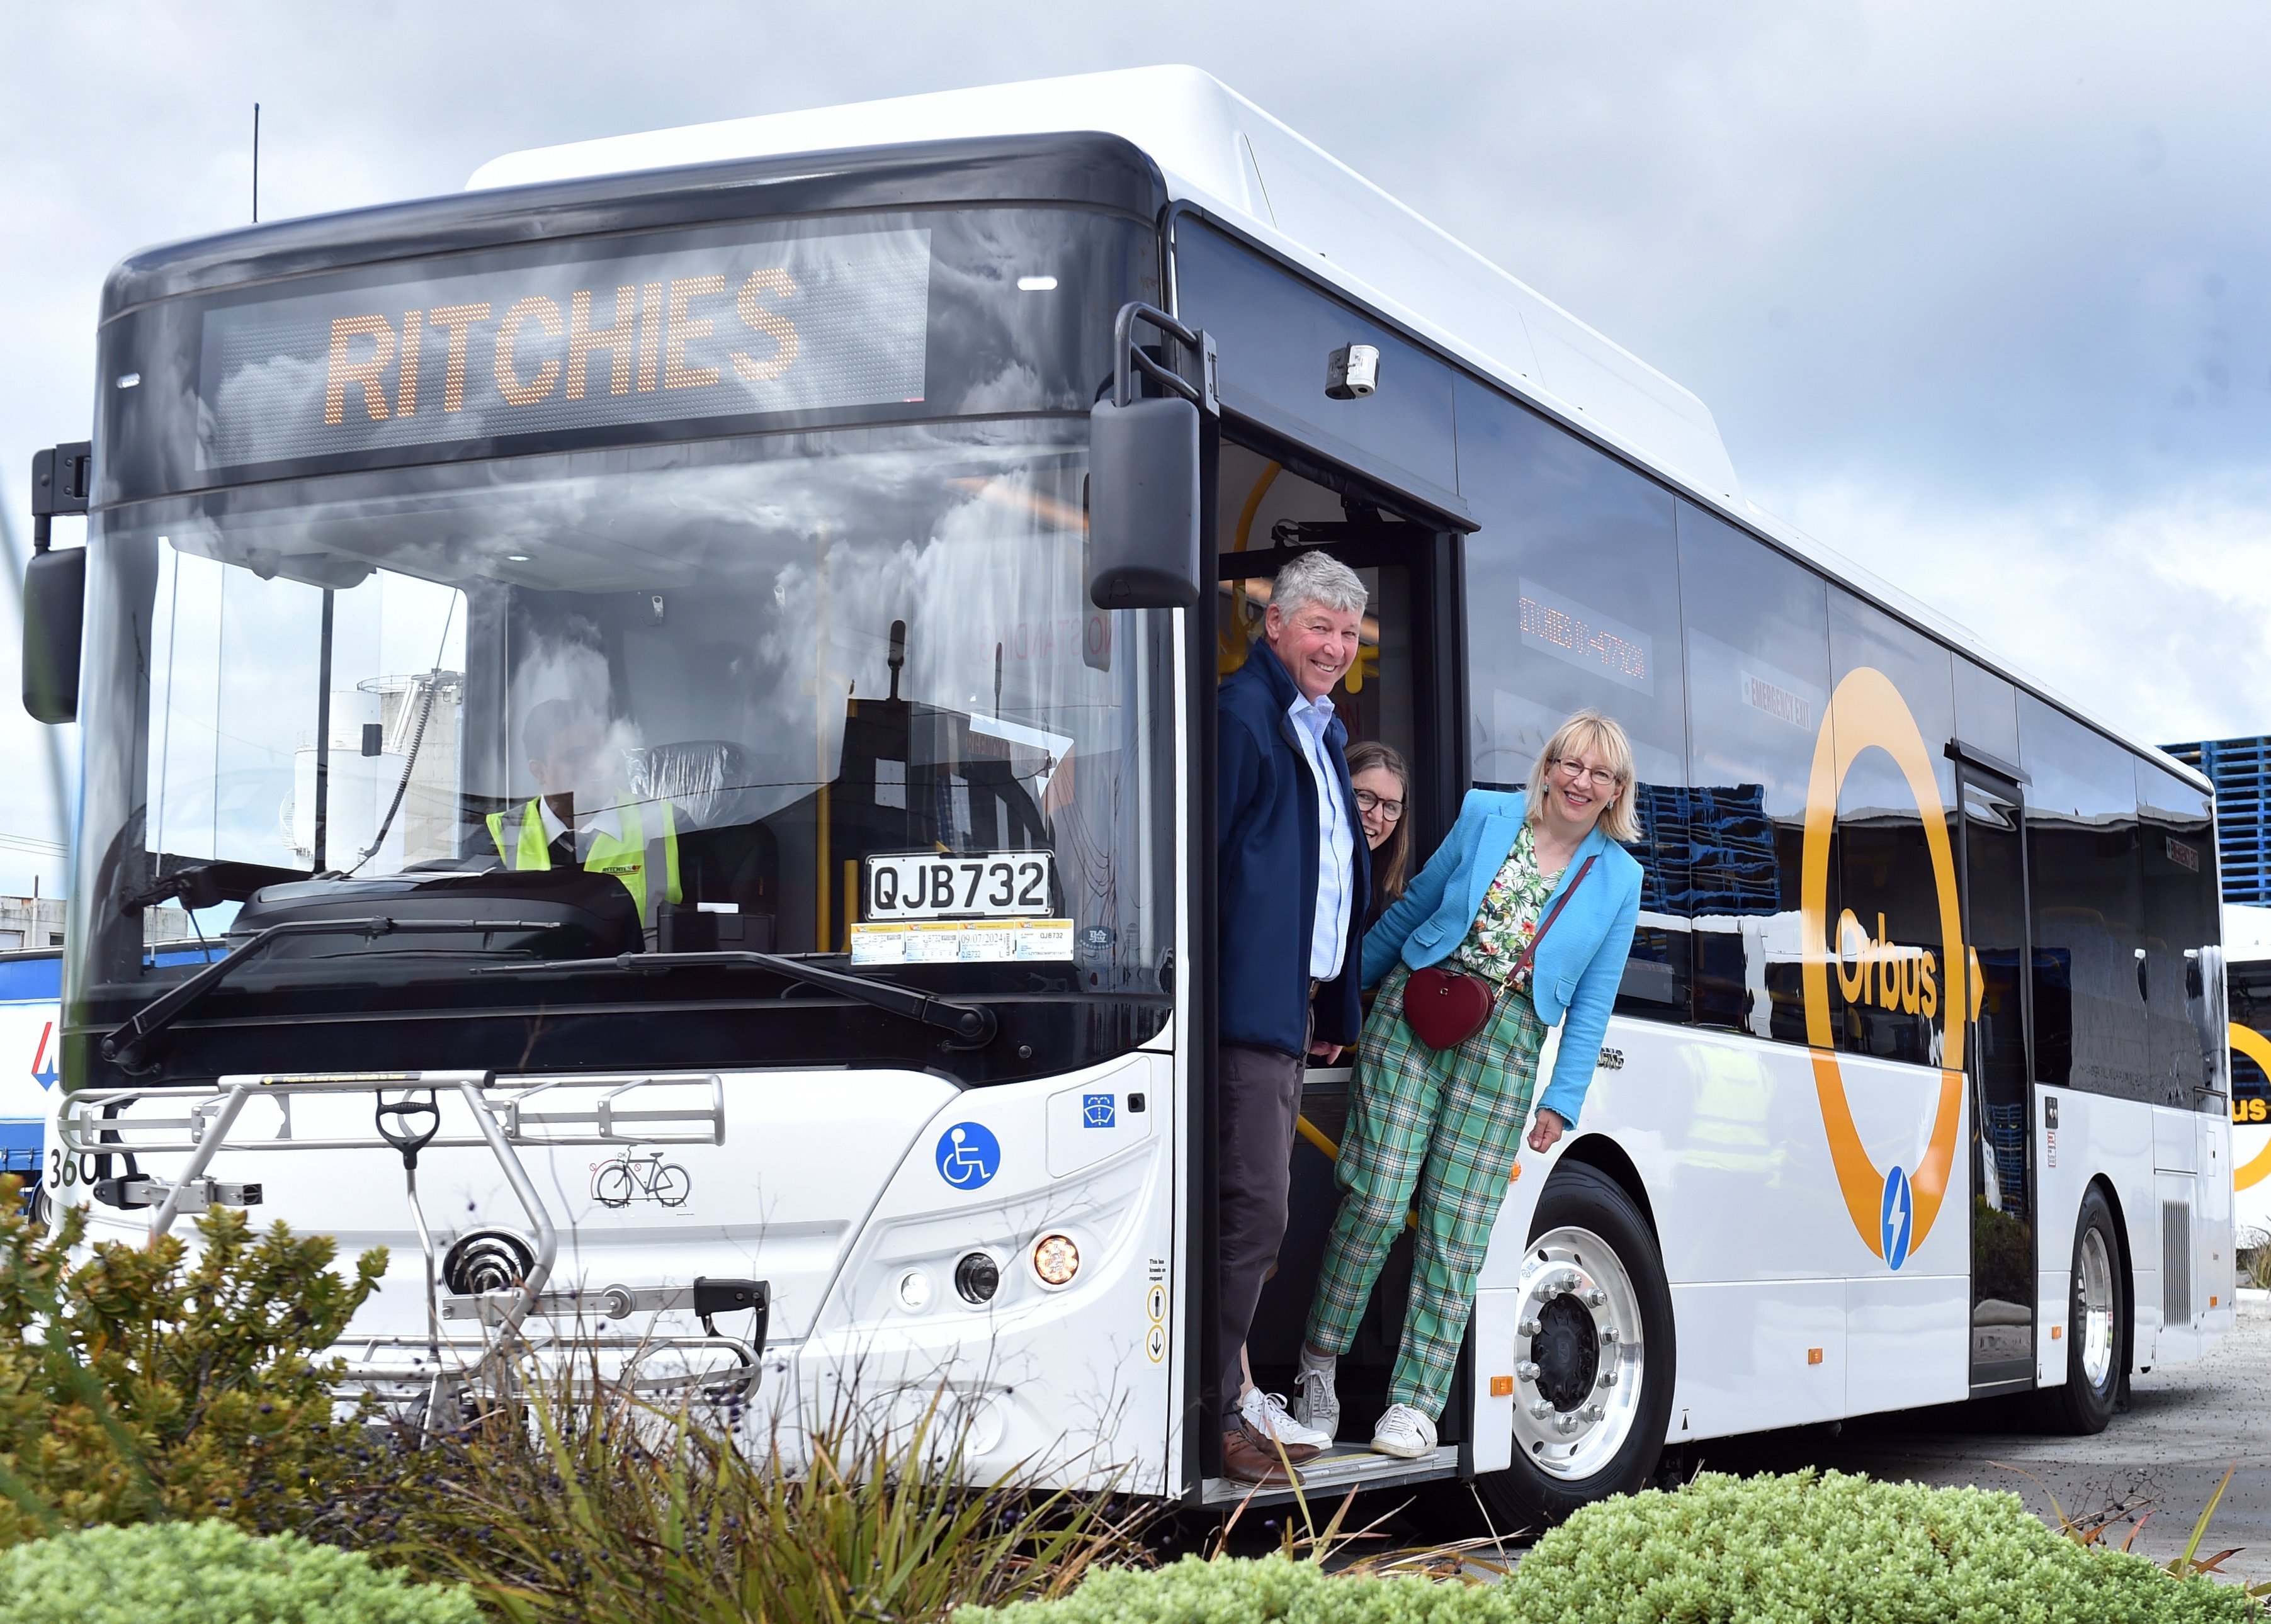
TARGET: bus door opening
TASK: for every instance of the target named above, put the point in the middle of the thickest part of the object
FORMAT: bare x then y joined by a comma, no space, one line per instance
2003,1267
1401,693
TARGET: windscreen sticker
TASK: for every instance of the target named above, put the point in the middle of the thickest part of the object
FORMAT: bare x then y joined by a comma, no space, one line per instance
961,941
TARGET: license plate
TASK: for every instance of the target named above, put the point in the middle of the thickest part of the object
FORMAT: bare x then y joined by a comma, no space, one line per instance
1007,885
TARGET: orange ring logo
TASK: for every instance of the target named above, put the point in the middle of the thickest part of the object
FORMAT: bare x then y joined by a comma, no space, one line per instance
1893,1212
2251,1044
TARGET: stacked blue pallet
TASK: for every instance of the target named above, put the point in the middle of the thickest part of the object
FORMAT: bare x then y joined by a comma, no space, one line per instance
2007,1137
2240,769
1706,849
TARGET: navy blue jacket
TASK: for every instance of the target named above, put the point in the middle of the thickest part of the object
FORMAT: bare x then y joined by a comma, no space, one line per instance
1266,827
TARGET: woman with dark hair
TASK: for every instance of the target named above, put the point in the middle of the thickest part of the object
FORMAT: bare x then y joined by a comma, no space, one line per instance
1383,791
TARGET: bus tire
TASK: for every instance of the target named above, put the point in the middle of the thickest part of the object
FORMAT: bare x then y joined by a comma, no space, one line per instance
2097,1327
1594,1304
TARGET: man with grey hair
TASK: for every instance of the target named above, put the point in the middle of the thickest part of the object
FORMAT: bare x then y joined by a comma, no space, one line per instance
1291,868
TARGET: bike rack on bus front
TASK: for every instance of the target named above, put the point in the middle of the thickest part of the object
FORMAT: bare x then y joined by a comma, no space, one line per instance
500,1112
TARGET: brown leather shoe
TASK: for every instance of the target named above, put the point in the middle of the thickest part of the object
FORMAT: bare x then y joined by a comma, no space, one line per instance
1248,1457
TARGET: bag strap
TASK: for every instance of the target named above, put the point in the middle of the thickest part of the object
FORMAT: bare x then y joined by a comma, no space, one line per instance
1528,958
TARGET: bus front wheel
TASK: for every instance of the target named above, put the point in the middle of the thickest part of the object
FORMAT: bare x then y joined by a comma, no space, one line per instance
2096,1328
1593,1354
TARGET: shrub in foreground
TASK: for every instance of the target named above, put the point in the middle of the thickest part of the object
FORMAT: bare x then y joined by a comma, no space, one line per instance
209,1573
1800,1548
615,1513
145,1382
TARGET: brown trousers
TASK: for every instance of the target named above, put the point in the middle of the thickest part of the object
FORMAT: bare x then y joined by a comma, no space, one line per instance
1260,1097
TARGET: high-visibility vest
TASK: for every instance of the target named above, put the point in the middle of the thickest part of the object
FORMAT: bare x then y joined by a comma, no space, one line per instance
622,856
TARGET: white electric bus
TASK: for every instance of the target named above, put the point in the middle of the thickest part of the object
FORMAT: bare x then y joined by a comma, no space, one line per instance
677,685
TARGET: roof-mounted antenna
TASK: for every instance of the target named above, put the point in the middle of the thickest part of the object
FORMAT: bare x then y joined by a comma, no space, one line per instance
898,653
256,163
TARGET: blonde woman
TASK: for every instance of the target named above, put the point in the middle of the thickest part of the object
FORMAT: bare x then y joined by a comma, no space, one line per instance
1522,918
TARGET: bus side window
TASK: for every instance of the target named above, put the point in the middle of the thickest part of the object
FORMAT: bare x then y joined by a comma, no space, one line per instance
2082,869
1573,588
1757,635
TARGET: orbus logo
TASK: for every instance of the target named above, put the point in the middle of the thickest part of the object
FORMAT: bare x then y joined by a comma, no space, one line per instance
968,1155
2256,1048
1892,1212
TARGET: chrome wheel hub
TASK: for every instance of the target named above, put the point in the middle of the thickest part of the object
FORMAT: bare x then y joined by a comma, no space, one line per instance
2093,1293
1579,1356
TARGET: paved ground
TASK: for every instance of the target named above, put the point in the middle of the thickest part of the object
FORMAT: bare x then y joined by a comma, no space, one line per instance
2186,1425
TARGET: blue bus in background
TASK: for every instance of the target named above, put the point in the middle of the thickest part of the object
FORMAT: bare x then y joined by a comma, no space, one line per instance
30,993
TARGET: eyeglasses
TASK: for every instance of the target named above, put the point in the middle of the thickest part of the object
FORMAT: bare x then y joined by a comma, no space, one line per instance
1572,770
1367,801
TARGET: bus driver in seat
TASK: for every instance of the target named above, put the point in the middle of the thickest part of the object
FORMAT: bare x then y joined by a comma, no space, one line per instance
579,817
1522,918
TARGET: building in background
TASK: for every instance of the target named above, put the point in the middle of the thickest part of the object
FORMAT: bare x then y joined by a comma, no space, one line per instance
32,922
35,924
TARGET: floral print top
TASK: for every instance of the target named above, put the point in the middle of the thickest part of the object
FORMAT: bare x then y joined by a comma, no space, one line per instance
1509,917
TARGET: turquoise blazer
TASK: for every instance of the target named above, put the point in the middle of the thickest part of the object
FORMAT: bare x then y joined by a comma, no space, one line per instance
1579,964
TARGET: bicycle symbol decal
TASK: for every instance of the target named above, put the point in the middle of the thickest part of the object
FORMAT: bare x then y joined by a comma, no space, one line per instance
630,1178
1097,1110
969,1155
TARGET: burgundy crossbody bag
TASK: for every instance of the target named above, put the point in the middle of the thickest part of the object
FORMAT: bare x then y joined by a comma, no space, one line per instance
1444,1008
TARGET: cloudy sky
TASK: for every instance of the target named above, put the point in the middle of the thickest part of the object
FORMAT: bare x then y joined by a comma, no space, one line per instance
1978,294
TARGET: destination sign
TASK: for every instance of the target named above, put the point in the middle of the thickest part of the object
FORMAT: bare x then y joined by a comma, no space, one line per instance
696,327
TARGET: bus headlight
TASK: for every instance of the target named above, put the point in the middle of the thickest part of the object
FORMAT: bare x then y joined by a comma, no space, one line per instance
914,1291
1056,1259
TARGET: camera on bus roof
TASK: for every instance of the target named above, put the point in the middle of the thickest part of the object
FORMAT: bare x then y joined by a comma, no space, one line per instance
1352,372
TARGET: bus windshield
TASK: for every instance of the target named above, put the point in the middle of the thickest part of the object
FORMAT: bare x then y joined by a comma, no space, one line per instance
838,693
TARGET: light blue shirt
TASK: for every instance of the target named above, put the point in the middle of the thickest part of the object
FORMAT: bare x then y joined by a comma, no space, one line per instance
1336,842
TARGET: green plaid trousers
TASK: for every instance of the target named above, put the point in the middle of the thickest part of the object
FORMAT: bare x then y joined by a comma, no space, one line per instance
1447,1121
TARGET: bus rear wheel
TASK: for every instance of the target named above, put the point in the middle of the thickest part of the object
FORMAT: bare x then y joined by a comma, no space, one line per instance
2096,1328
1593,1354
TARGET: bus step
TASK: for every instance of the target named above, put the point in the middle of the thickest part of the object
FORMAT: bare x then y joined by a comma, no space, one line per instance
1340,1469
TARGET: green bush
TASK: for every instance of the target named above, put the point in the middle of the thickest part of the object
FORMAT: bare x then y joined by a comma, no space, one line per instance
209,1573
147,1384
1197,1591
1801,1548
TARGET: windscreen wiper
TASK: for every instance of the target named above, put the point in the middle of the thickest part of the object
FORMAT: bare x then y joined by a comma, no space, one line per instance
129,1045
972,1026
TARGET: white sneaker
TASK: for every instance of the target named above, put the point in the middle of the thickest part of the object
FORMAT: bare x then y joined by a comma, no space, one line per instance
1403,1432
1317,1405
1267,1415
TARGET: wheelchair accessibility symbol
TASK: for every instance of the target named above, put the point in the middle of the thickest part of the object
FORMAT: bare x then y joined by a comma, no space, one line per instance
969,1155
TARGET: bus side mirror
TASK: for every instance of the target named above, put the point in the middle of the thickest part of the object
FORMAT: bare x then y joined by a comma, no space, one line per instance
54,603
55,584
1143,504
